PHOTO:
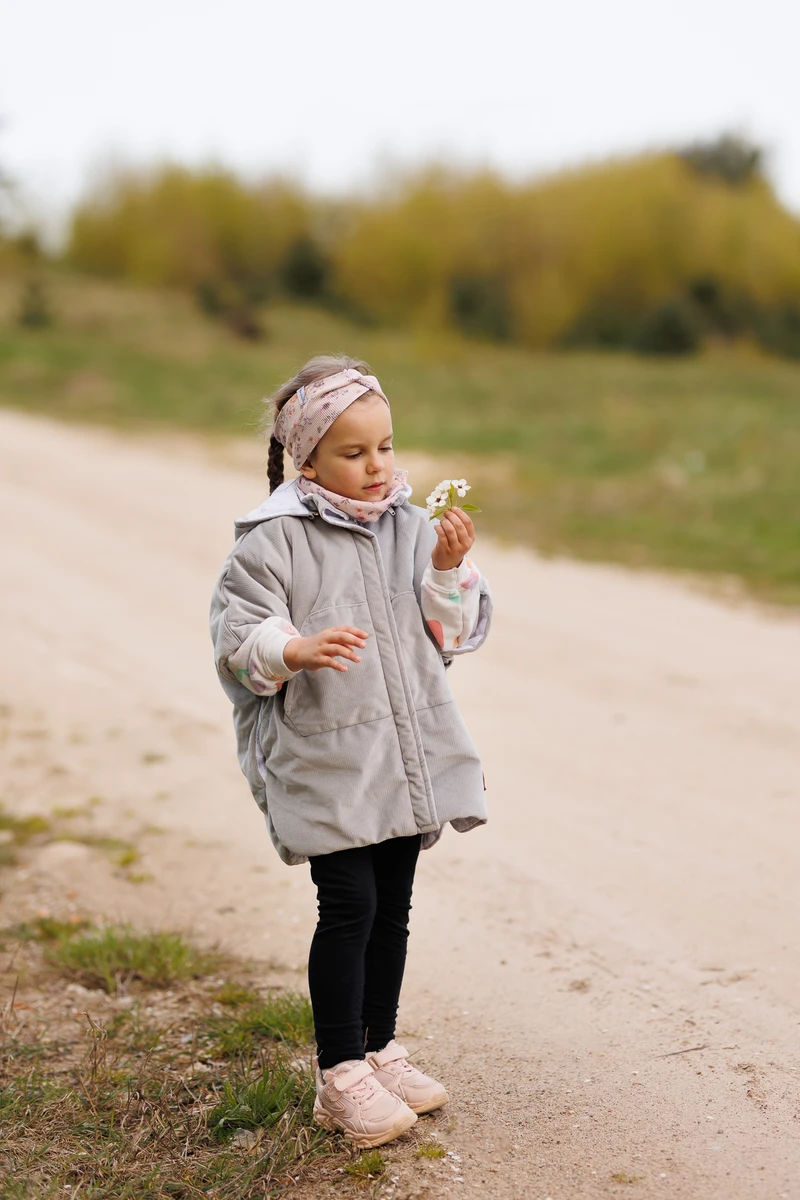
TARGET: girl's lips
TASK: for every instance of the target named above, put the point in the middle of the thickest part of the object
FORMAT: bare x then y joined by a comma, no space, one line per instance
373,487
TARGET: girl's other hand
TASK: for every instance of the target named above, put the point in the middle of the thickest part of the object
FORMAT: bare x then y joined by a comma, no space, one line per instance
324,649
455,537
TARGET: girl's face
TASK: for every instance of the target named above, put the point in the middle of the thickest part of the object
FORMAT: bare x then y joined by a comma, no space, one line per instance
355,457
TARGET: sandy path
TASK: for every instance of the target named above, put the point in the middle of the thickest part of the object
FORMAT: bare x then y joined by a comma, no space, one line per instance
636,893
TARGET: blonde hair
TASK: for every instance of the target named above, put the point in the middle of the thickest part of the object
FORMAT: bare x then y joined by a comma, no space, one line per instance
318,367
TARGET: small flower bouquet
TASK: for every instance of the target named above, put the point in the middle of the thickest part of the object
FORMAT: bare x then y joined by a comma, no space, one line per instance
444,497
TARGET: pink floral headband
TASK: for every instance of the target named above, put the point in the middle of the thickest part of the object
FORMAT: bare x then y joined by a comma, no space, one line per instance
308,415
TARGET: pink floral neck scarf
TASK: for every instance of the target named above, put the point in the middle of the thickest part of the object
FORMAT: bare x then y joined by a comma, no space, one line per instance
362,510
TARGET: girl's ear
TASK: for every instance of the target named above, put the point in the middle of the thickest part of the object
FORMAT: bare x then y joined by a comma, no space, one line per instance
308,471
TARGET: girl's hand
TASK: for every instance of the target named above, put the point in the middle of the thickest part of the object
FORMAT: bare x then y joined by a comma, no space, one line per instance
324,649
456,536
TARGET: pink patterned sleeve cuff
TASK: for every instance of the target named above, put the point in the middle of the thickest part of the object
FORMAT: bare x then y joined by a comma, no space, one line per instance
451,603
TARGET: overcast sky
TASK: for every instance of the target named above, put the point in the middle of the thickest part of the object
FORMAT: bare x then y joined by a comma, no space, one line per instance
330,90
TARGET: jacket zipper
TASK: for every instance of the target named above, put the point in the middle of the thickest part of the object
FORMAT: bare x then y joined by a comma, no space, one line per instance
396,641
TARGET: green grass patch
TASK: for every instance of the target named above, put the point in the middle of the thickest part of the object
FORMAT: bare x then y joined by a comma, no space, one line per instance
689,464
119,851
254,1105
127,857
46,929
115,955
71,812
431,1150
234,994
369,1165
285,1016
133,1102
23,829
16,832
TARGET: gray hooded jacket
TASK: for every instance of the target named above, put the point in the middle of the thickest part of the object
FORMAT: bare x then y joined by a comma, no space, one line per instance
337,760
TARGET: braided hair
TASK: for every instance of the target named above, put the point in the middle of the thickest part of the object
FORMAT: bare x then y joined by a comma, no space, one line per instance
316,368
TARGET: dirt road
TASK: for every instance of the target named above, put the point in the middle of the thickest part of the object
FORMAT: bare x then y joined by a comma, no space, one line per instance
606,976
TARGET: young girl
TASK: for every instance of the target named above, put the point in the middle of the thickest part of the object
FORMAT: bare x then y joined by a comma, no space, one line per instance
333,620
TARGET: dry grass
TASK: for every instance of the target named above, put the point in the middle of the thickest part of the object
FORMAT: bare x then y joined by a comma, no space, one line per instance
132,1089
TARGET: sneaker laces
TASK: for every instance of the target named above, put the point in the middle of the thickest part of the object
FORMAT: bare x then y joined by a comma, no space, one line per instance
364,1089
400,1065
404,1066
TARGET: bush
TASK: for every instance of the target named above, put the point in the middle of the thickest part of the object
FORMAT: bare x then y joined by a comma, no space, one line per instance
479,306
729,158
605,324
671,328
176,227
575,259
305,271
719,309
778,329
34,311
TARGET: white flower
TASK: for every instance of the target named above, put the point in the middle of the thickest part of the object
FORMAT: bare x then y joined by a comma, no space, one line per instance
443,496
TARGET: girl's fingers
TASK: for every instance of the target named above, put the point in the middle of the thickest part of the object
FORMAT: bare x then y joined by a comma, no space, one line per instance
347,635
333,650
347,639
465,519
450,532
463,530
463,524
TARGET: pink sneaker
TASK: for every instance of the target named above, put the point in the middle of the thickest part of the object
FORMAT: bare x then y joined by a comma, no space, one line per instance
392,1069
350,1099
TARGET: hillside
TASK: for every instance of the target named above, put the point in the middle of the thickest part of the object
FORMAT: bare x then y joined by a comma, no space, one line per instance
690,465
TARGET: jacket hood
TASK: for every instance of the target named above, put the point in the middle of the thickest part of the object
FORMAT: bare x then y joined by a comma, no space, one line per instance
288,501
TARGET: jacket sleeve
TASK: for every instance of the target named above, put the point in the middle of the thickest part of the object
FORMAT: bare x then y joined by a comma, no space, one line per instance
250,618
451,603
460,600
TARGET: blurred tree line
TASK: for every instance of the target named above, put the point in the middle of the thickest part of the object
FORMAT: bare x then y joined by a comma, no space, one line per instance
21,254
657,253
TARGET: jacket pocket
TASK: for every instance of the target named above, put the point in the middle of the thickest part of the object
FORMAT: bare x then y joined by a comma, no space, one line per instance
319,701
423,662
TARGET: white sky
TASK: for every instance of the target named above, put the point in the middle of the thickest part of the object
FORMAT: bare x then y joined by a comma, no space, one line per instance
331,89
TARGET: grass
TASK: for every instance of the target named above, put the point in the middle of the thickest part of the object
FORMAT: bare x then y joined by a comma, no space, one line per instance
285,1016
23,829
369,1165
110,957
690,465
127,1103
233,994
255,1104
46,929
431,1150
18,831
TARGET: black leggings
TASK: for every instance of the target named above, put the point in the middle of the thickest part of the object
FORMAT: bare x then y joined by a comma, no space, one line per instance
358,954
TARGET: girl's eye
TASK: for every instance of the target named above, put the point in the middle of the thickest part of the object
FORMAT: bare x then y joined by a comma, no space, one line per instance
357,453
386,449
